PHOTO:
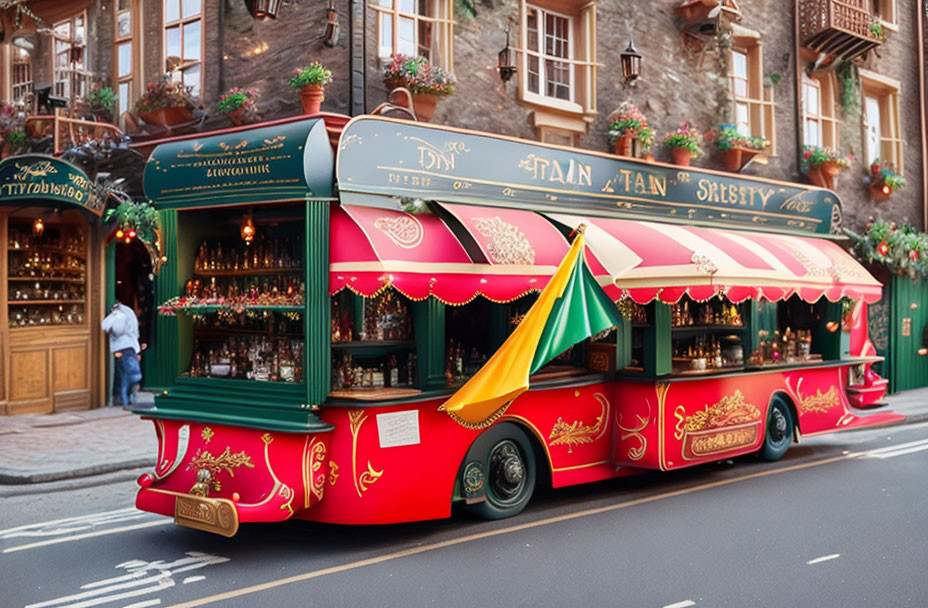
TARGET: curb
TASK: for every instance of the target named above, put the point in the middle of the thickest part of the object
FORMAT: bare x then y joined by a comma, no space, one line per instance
19,477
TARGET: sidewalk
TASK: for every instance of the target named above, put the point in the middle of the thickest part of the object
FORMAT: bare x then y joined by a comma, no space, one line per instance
37,449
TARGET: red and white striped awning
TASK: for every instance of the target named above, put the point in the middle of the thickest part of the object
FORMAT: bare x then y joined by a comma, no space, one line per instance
500,254
647,261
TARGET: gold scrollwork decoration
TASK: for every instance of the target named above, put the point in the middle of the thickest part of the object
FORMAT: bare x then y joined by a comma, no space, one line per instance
368,477
333,472
318,480
576,433
355,419
818,403
679,415
638,452
207,434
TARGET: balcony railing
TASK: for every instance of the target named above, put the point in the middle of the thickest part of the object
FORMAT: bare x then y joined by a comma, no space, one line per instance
68,132
840,28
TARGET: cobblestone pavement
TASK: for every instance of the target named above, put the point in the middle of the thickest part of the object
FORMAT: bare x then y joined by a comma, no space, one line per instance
41,448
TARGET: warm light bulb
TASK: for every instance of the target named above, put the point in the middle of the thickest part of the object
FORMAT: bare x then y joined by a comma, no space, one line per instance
38,227
886,189
922,351
831,326
128,240
132,233
120,233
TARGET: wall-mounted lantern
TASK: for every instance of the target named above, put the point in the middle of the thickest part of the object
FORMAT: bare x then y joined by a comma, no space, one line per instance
262,9
631,64
332,27
504,62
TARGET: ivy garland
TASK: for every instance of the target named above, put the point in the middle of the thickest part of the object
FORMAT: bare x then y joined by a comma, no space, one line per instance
902,250
849,87
139,216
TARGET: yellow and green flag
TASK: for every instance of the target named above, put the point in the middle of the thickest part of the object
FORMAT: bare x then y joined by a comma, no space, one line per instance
571,308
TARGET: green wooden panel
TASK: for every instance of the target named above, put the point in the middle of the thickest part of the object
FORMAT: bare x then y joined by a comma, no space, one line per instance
164,360
825,342
429,327
658,353
908,316
623,344
317,362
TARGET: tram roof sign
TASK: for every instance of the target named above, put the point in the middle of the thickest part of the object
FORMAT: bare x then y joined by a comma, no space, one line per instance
381,156
46,180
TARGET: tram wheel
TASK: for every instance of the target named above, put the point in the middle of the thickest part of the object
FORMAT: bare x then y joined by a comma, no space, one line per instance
779,431
508,464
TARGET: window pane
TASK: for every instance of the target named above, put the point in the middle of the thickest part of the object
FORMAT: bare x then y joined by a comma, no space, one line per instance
172,46
192,79
123,97
739,65
813,133
406,6
171,10
386,3
872,117
741,118
557,75
192,41
740,87
533,76
123,5
192,8
63,30
386,35
425,38
124,59
124,24
813,105
425,8
532,29
406,36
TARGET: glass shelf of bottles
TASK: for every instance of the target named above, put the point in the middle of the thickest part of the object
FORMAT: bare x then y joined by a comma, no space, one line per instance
46,275
261,278
372,347
706,336
264,348
787,347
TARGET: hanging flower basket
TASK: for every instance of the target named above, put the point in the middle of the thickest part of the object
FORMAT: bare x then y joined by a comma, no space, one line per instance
165,103
239,105
629,124
884,180
823,165
426,83
737,149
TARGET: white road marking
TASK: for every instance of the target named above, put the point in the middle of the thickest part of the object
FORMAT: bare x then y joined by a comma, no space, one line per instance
898,446
682,604
145,604
824,558
894,453
155,576
69,524
193,579
55,541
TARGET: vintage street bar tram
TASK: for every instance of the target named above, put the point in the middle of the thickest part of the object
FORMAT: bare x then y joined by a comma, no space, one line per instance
341,353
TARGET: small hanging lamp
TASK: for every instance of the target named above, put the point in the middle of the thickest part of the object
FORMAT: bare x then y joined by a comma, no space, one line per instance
38,227
631,64
504,61
248,230
332,27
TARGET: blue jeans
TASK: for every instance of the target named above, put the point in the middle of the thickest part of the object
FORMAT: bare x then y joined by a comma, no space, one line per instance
127,373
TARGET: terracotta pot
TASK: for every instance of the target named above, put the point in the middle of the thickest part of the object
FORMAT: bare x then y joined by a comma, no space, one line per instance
736,158
832,169
312,96
5,149
424,106
237,116
623,145
817,177
695,11
877,193
681,156
167,117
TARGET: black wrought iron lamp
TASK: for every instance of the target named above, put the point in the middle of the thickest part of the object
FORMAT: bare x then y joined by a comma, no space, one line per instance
504,62
631,64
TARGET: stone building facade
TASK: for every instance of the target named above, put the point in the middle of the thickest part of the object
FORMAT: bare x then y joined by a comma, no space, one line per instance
683,78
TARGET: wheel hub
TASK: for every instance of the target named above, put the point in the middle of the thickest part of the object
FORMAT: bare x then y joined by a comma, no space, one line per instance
507,471
778,426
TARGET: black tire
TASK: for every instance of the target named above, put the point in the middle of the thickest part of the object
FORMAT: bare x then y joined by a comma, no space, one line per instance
508,460
778,433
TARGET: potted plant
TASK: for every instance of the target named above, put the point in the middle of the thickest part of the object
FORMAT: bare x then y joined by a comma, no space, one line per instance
239,105
823,165
165,103
884,180
426,82
102,102
311,80
737,149
683,145
628,124
12,135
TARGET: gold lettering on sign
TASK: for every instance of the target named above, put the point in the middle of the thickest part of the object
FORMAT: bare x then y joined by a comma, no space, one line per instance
709,190
794,203
431,157
637,182
727,425
409,180
570,173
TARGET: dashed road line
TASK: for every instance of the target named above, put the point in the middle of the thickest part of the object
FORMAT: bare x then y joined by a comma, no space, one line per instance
824,558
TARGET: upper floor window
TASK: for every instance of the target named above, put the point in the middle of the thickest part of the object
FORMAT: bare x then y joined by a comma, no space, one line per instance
557,75
415,27
123,61
22,75
183,41
881,119
752,101
819,122
886,11
68,46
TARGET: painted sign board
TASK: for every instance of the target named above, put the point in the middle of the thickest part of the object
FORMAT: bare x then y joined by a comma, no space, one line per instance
291,161
46,180
380,156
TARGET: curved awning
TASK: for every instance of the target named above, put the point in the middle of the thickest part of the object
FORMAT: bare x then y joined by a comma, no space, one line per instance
37,179
281,162
510,254
652,261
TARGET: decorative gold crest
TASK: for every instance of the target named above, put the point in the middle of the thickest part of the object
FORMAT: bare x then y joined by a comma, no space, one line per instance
38,169
207,434
508,244
405,231
729,424
576,433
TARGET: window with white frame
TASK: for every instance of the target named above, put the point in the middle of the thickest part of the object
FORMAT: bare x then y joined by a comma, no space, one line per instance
819,122
881,119
22,75
885,10
183,42
752,102
557,75
68,46
124,56
415,27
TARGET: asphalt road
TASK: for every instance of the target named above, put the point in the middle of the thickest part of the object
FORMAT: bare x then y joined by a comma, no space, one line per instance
840,521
